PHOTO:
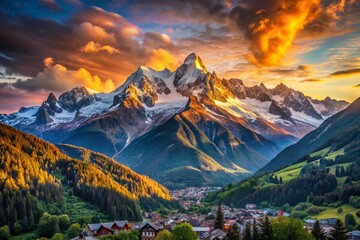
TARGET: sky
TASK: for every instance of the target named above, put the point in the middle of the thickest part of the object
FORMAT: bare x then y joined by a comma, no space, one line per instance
54,45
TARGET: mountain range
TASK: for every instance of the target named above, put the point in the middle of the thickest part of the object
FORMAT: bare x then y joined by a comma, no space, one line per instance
322,169
337,132
186,127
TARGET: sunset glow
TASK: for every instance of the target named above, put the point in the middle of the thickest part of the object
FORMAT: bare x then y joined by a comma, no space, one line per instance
310,45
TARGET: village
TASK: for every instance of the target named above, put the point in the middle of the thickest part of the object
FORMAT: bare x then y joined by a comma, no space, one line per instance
202,223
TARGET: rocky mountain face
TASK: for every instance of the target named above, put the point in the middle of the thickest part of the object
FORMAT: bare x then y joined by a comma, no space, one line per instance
313,170
328,106
188,123
338,132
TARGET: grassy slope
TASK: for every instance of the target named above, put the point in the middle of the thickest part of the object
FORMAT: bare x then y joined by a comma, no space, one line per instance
293,171
333,213
29,235
337,129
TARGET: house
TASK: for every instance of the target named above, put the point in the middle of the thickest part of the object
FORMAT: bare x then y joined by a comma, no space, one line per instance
250,206
202,232
108,228
228,224
354,235
84,236
280,213
149,231
195,222
328,221
217,234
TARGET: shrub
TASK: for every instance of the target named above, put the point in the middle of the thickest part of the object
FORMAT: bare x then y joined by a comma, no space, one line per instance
358,213
313,210
5,232
299,214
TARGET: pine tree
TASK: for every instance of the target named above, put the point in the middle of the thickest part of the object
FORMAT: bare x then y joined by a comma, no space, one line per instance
247,232
276,180
271,179
255,232
233,233
266,232
350,221
318,231
281,180
337,172
348,180
219,221
342,172
338,232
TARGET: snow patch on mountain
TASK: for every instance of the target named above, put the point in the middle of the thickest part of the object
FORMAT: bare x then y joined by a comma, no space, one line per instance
102,104
302,117
24,116
237,108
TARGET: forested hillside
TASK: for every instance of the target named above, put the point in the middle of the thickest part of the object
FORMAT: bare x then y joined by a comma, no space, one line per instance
322,169
335,132
34,175
326,179
150,193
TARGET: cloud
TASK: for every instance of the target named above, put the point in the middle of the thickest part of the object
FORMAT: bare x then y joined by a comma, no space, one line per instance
271,26
87,30
27,41
185,11
346,73
48,62
50,4
160,59
9,98
97,16
92,47
59,78
312,80
304,70
356,86
157,40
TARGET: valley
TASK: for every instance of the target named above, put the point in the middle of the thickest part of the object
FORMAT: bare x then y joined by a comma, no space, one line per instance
180,120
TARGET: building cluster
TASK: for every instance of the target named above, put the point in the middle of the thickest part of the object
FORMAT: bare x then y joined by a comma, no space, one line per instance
327,224
191,196
203,224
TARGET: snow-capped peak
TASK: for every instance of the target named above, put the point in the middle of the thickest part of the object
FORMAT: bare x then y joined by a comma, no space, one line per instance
91,91
194,59
190,71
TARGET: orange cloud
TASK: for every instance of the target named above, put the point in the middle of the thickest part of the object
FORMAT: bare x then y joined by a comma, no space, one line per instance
160,59
87,30
131,31
59,78
271,26
92,47
274,33
48,62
